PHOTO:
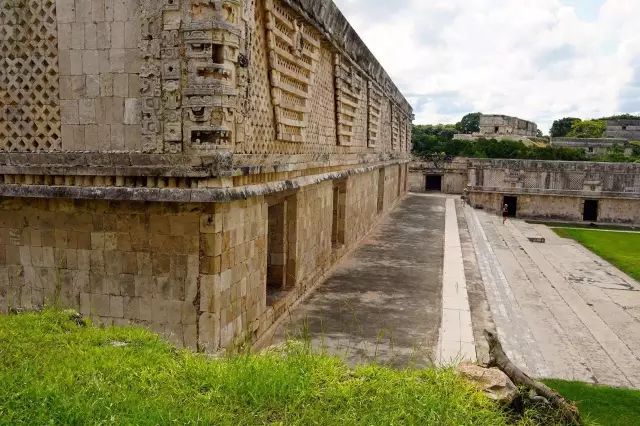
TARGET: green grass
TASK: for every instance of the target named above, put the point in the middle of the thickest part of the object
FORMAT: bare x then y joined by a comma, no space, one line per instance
600,404
54,371
622,249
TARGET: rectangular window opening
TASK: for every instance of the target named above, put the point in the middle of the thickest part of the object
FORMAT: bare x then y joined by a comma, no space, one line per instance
381,175
339,213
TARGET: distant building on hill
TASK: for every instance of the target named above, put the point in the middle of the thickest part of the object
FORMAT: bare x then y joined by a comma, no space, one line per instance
618,133
503,127
623,129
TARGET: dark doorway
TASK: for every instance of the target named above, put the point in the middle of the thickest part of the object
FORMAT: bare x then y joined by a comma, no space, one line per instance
590,213
434,183
512,205
381,177
339,213
281,247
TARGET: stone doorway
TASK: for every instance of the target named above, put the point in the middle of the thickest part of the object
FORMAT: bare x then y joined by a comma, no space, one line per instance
433,183
512,205
339,213
590,211
281,242
381,177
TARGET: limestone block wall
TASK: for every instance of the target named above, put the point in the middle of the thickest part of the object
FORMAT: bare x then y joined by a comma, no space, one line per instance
117,262
194,272
100,60
554,207
362,205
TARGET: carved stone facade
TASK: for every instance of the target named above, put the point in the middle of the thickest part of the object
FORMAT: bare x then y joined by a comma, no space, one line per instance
178,163
29,78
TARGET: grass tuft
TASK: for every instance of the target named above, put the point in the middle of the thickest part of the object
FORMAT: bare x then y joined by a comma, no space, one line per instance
56,370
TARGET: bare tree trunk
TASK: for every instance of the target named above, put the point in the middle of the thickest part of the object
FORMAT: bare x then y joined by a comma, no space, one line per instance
497,358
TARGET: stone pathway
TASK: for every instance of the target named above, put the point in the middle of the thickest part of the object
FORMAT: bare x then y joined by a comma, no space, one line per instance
456,342
383,303
560,310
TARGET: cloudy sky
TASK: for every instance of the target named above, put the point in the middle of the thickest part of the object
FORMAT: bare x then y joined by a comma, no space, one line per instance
535,59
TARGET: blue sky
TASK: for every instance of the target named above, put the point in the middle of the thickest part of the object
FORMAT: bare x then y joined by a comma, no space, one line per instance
585,9
535,59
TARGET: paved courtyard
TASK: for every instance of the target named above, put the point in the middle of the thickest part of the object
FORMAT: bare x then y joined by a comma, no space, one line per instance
435,273
560,310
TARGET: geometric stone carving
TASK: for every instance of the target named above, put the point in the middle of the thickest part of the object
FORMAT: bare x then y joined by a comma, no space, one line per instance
192,76
29,86
395,127
351,96
294,50
375,114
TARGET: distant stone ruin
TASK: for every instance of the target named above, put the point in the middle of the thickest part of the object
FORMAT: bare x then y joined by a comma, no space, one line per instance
619,133
503,127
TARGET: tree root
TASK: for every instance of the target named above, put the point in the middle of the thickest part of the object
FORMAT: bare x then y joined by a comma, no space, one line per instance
497,358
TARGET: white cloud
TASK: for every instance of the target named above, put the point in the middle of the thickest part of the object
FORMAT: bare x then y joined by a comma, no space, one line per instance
538,60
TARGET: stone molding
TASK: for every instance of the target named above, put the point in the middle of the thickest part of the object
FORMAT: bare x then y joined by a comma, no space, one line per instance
180,195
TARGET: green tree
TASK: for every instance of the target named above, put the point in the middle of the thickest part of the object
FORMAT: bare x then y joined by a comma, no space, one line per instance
470,123
562,127
588,129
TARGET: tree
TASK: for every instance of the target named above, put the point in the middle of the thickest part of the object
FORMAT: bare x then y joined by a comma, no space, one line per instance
470,123
562,127
588,129
539,133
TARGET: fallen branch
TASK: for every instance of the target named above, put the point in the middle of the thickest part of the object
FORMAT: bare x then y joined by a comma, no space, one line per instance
497,358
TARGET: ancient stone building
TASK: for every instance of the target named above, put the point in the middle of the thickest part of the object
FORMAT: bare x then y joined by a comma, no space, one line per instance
502,125
594,146
547,190
557,190
623,129
195,166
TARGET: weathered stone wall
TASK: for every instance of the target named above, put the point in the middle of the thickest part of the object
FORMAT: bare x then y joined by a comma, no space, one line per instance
599,146
165,131
557,190
625,129
454,175
560,208
505,125
118,262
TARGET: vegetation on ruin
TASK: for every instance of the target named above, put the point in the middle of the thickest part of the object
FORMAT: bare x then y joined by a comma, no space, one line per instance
587,129
437,140
469,124
571,127
621,249
430,140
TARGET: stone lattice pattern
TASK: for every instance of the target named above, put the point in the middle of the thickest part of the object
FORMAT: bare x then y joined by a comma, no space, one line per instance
293,56
29,105
375,114
351,96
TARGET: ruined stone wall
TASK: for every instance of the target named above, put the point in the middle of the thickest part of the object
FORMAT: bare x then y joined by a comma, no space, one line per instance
599,146
454,175
505,125
625,129
558,176
561,208
118,262
557,190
